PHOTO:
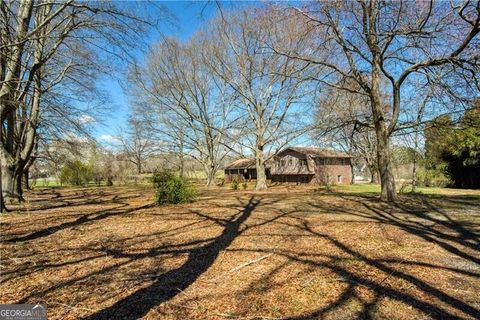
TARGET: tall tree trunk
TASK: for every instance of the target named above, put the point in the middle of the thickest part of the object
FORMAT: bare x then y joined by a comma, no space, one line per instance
415,148
352,181
9,171
26,182
260,167
387,180
414,174
372,169
18,181
382,130
8,108
210,171
373,172
15,158
139,167
181,155
26,171
12,193
373,175
3,208
182,164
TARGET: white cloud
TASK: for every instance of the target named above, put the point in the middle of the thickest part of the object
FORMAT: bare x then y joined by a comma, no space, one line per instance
85,119
109,138
75,137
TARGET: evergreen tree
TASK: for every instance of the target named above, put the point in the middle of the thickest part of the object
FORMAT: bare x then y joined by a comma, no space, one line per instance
455,149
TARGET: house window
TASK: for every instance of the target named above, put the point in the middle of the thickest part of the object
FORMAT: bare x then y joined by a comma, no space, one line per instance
321,161
303,162
339,178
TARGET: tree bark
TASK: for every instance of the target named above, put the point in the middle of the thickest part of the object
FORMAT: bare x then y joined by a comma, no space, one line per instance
382,132
414,174
387,180
3,208
372,168
260,167
12,192
182,164
352,181
210,171
18,181
26,173
14,157
26,183
415,148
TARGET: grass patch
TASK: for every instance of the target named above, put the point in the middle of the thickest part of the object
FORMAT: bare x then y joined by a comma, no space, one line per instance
371,189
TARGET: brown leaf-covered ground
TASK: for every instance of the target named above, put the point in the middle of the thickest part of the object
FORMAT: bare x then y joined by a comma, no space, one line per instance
289,253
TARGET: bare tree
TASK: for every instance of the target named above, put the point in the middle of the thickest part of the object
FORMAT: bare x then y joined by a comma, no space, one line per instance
42,45
192,109
343,120
138,143
368,42
411,135
269,87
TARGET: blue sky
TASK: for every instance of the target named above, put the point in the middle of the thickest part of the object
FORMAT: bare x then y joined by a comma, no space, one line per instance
188,16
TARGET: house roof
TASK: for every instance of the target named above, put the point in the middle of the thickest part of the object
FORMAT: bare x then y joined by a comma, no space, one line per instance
243,163
319,153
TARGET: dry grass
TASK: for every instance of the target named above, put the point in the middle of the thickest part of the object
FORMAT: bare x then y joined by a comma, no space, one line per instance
290,253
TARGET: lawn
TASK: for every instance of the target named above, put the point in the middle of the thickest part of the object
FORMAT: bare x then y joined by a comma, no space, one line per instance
288,253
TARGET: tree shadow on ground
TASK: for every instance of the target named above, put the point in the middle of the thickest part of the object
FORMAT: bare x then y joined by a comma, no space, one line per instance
429,223
202,254
442,231
169,284
48,199
122,208
381,289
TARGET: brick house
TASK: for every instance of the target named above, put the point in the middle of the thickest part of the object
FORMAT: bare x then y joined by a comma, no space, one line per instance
298,165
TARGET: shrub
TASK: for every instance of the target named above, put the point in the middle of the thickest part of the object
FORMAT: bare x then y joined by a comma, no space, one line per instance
235,184
244,185
432,178
76,173
170,188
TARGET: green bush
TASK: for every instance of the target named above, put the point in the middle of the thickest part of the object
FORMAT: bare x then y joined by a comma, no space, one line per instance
170,188
245,185
432,178
76,173
235,184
